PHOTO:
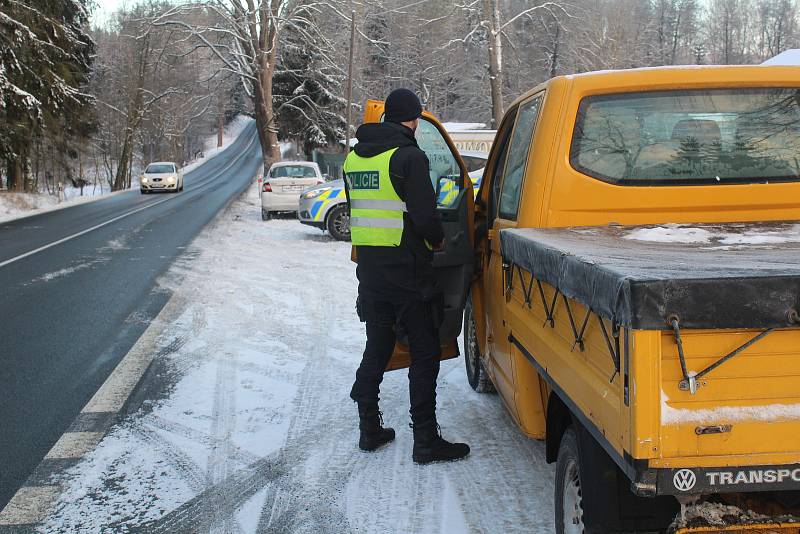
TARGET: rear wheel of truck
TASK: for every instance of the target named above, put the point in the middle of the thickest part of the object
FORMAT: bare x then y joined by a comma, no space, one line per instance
476,374
568,490
593,495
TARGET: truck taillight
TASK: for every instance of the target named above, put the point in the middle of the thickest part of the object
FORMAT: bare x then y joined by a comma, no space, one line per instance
267,188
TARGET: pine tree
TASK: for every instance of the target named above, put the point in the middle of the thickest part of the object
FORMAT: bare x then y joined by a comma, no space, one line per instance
308,101
45,62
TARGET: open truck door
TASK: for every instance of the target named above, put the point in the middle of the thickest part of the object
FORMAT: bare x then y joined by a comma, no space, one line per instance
455,204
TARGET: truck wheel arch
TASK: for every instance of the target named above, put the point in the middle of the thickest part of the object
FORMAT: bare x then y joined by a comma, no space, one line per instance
558,419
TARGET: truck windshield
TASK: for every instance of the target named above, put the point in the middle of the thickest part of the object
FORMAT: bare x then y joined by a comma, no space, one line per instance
714,136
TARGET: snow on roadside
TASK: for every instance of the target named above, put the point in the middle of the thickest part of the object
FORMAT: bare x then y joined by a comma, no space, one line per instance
210,149
15,205
256,432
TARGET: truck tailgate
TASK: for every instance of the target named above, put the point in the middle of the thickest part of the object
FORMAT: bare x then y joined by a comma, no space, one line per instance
748,406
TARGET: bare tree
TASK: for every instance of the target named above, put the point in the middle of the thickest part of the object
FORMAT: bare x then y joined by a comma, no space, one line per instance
246,37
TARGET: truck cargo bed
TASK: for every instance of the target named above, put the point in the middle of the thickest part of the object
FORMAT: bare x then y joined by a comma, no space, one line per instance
727,275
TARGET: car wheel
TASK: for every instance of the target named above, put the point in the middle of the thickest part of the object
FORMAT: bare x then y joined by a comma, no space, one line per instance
568,490
143,191
476,374
265,215
338,222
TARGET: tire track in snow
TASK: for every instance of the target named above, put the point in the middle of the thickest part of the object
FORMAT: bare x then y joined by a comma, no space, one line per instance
502,467
187,468
222,427
240,455
325,428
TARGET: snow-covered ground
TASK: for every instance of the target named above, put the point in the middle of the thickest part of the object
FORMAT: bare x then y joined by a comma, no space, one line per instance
210,148
16,205
254,430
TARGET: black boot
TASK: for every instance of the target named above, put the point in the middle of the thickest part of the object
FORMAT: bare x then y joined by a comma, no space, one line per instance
373,435
430,447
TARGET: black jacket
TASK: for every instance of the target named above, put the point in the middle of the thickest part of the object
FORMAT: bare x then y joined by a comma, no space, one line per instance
403,272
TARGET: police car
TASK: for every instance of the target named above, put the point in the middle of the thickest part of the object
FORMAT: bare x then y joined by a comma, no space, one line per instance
324,206
475,162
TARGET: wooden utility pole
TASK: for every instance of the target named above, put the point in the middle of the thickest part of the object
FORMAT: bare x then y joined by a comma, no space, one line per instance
350,81
220,119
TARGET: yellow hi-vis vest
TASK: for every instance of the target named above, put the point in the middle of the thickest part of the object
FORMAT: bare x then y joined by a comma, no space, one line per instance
376,211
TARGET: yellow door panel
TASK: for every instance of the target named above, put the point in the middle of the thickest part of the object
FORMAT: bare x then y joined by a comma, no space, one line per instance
498,346
587,376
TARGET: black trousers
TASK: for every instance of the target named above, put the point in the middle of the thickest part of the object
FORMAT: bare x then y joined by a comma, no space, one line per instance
418,319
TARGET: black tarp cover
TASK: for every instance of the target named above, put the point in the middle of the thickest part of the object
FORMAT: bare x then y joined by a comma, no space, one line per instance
733,275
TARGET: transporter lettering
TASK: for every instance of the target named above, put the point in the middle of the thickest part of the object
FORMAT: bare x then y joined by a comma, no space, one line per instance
757,476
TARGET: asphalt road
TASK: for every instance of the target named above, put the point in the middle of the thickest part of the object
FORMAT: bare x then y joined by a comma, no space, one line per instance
71,310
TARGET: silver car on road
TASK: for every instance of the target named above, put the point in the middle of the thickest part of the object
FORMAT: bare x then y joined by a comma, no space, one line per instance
161,176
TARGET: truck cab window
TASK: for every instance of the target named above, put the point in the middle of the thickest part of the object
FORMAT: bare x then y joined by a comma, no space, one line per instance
445,172
517,158
501,144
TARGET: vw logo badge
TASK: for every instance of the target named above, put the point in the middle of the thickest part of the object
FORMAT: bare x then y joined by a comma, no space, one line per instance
684,479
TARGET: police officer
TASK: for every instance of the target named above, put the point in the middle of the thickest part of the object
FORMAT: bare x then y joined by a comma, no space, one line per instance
395,229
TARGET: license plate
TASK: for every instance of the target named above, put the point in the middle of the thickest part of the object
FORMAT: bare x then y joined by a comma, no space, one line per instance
292,188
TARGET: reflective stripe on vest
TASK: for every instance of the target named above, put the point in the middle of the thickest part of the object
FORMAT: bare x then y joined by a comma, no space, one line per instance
376,211
370,222
378,205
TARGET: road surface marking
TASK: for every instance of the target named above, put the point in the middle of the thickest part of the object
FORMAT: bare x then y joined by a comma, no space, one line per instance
82,232
74,444
115,219
29,505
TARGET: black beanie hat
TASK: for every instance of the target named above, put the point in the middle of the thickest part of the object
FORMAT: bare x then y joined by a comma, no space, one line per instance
402,105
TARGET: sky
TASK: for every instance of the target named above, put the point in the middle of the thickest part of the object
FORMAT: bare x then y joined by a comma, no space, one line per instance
104,8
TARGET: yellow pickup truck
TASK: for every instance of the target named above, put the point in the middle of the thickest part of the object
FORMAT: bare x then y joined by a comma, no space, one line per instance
630,279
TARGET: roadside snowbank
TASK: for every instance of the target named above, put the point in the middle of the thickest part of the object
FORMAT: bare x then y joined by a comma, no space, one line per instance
253,430
16,205
230,133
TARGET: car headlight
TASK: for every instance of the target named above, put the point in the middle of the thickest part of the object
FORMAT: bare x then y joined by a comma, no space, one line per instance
171,180
315,193
144,179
